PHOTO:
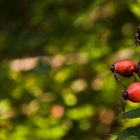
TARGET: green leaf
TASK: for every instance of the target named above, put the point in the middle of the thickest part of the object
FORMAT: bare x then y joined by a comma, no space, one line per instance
132,133
131,114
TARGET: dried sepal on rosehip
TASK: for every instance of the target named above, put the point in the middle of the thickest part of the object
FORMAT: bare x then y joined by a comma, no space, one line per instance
137,37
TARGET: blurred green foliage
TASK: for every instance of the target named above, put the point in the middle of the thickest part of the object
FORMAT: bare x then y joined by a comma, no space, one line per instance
55,82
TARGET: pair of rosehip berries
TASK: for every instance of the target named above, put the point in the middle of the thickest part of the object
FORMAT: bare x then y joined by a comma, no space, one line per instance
128,68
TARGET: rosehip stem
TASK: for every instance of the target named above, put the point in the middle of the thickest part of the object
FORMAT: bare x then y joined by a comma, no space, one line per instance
123,106
119,81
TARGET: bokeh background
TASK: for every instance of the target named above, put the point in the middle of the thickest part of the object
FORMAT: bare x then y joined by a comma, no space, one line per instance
55,55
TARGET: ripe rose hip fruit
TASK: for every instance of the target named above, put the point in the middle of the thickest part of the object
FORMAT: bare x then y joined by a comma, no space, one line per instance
132,93
125,68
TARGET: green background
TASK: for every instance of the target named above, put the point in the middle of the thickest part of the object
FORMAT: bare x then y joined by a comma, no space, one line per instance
55,82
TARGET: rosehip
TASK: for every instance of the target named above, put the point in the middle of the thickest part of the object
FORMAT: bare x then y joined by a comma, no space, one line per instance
124,68
132,93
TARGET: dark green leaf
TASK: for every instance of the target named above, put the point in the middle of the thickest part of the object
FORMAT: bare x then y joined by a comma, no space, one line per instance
131,114
132,132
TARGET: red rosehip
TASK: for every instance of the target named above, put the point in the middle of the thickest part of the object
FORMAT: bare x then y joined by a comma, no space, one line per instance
132,93
125,68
